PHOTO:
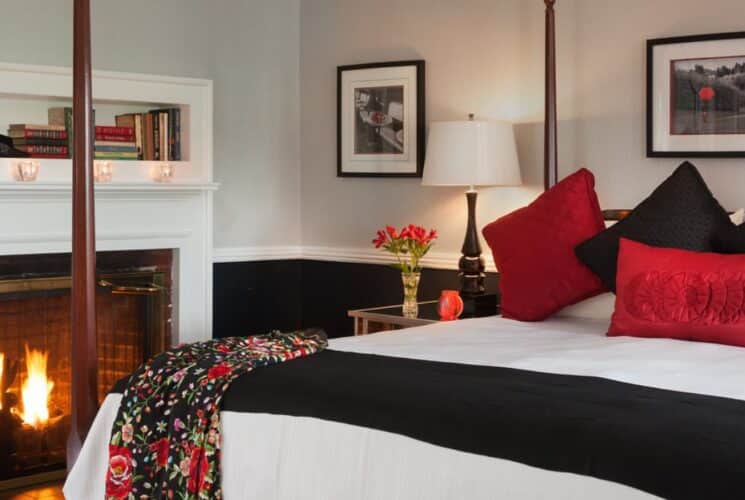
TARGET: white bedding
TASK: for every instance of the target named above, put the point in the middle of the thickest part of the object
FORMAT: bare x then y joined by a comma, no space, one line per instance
280,457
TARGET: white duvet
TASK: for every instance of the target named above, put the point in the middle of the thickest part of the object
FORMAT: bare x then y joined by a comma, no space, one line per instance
278,457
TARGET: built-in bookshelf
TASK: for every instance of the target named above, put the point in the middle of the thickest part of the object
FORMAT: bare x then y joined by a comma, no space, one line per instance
132,211
28,92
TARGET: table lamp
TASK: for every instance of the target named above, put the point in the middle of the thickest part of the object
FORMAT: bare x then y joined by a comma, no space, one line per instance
471,153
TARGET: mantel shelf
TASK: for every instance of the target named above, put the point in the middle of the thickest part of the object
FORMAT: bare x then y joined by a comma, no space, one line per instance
111,186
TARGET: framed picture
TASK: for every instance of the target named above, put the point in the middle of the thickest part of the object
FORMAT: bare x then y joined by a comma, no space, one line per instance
696,96
380,119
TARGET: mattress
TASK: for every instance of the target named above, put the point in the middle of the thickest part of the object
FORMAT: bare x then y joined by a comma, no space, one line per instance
279,456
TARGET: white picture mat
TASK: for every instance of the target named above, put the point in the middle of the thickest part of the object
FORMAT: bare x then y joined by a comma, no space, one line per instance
405,163
663,55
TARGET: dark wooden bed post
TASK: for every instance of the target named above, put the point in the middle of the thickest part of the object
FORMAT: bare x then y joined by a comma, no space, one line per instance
83,349
550,155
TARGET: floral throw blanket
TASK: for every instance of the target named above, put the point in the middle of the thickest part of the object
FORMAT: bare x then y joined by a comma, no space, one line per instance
165,441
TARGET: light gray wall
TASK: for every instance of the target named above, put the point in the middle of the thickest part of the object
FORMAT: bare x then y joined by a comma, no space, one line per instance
249,48
478,53
611,90
486,56
274,67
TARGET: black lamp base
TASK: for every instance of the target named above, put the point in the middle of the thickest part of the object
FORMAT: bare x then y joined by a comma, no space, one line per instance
471,274
471,264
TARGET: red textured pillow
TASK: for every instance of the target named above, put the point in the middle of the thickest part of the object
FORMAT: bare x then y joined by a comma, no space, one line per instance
533,249
679,294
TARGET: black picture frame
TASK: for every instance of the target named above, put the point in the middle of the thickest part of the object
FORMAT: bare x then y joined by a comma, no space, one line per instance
652,152
420,126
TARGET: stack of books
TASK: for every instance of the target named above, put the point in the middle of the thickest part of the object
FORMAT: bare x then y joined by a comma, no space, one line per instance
157,133
115,143
40,141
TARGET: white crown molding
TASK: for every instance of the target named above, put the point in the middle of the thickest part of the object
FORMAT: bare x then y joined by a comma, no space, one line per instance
255,254
433,260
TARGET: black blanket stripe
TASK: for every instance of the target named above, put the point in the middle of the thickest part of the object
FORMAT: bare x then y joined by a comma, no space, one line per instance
671,444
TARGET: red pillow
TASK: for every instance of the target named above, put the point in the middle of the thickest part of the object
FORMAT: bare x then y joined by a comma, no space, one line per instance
679,294
533,249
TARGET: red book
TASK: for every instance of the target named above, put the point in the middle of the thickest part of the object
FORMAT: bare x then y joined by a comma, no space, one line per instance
115,138
48,156
44,149
125,131
36,133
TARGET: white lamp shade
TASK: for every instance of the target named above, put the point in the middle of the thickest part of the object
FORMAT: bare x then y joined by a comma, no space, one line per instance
471,153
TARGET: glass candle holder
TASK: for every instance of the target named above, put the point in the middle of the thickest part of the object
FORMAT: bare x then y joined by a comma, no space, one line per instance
27,170
164,172
103,171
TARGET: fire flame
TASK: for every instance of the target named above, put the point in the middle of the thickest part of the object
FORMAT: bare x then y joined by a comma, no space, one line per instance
36,388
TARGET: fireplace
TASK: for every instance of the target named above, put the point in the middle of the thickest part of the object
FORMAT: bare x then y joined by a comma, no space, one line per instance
133,317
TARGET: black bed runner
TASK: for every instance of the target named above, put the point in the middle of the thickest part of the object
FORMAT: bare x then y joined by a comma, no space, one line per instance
671,444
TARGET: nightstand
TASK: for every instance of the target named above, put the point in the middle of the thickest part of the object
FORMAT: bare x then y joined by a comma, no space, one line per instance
381,319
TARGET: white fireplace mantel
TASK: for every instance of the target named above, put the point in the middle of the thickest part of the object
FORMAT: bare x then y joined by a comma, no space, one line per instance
133,212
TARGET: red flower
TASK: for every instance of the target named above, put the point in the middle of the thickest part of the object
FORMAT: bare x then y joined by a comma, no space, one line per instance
432,235
198,467
380,240
391,231
119,473
406,232
161,450
223,348
219,371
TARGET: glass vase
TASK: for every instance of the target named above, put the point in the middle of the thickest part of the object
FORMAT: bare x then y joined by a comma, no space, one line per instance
411,287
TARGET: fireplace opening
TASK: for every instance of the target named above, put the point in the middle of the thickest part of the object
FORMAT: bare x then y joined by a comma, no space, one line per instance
133,319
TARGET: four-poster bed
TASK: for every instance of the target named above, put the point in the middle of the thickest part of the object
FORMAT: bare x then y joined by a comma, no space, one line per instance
83,357
480,408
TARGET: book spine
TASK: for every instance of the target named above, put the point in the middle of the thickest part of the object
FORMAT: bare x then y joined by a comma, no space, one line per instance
44,149
123,131
118,144
35,133
37,141
68,127
116,149
164,136
138,135
29,126
48,156
115,138
116,155
156,135
177,134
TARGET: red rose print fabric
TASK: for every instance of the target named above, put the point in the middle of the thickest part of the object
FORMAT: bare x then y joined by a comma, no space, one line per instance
165,441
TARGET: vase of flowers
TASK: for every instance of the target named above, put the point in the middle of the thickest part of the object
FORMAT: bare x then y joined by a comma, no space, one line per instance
408,246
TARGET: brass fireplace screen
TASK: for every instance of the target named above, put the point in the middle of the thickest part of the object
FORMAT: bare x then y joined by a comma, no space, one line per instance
133,322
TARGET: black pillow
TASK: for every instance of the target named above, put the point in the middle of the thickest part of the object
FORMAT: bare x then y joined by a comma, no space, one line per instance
730,239
680,213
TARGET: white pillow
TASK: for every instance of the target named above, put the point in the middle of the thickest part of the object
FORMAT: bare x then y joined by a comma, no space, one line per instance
598,307
738,217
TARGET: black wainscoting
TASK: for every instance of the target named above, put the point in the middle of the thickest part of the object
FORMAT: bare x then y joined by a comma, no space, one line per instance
255,297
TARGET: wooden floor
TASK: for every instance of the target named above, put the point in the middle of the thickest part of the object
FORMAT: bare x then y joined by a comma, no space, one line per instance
51,491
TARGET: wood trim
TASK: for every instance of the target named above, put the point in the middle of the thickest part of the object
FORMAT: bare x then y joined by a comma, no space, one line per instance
83,348
550,150
616,214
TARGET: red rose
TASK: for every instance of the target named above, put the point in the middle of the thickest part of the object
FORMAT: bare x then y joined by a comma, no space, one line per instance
198,467
218,371
223,348
161,449
119,474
